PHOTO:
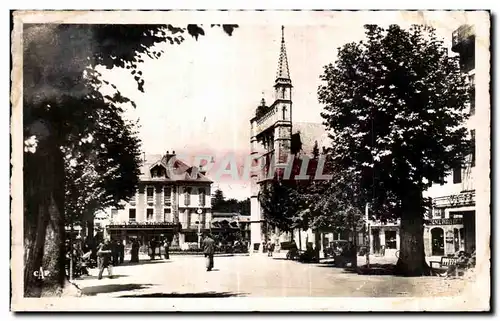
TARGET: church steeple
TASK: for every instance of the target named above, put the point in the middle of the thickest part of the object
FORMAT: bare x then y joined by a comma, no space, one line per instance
283,74
283,82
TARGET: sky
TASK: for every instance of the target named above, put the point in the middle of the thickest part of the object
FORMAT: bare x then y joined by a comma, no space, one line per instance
200,96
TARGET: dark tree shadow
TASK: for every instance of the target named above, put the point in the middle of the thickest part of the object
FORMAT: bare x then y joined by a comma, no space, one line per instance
374,269
185,295
144,262
109,288
105,276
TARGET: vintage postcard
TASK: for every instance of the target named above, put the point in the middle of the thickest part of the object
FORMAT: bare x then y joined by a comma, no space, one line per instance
250,160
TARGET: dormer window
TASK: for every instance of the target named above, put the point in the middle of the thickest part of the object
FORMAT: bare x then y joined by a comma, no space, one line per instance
158,171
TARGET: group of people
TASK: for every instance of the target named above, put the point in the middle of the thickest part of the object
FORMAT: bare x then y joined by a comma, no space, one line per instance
155,244
111,253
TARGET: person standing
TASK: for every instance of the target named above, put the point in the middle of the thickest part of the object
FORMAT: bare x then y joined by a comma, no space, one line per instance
152,246
104,258
270,249
166,244
114,252
121,251
134,252
208,251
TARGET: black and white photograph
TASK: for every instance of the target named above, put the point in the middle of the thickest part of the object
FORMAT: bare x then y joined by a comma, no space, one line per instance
250,160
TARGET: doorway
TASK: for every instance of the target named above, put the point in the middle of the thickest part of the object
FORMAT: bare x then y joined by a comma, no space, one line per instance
437,239
376,241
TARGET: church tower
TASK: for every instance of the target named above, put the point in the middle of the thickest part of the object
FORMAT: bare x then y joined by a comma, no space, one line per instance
283,105
271,136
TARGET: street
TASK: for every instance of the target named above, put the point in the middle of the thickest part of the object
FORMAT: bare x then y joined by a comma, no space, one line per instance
185,276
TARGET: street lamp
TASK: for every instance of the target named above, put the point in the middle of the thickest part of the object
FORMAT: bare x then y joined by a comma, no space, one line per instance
199,211
367,225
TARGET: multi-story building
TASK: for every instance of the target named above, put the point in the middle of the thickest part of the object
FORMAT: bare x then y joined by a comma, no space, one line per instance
172,200
451,226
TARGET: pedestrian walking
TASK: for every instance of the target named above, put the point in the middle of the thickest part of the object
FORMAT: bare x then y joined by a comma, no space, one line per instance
104,258
208,251
134,252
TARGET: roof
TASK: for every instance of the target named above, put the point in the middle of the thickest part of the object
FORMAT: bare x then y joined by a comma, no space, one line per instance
309,133
182,171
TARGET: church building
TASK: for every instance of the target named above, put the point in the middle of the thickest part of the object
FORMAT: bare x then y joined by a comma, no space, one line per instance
274,138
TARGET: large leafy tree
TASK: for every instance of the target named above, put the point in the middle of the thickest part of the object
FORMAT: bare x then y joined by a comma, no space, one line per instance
395,108
232,205
62,106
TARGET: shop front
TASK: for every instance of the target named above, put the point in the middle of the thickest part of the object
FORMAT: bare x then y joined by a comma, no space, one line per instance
384,239
142,232
448,236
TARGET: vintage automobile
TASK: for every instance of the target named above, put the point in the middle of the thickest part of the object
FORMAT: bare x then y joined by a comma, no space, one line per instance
342,251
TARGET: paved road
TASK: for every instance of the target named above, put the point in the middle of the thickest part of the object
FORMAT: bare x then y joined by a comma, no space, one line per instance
185,276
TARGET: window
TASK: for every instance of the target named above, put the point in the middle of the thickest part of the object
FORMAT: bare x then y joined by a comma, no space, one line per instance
167,215
187,196
150,194
131,214
472,94
149,213
457,175
473,147
167,196
439,213
390,240
114,212
202,194
132,201
158,171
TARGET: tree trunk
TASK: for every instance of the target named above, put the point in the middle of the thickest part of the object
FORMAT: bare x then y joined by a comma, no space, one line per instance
89,226
411,261
44,220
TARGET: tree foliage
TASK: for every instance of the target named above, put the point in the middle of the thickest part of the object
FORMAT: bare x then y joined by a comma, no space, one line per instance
223,205
78,149
395,106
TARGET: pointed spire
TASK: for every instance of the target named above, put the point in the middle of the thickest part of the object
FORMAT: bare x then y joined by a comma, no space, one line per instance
283,75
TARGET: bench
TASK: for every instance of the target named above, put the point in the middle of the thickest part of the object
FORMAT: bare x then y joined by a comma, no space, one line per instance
445,263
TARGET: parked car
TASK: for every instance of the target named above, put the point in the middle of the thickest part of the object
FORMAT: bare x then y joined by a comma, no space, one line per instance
342,251
335,248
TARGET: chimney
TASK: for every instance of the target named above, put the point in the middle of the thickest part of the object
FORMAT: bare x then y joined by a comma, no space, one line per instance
173,153
202,171
144,156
